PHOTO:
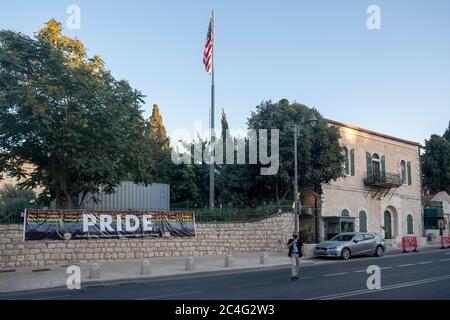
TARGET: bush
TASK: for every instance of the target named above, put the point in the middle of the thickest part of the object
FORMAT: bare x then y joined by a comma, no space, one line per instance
14,201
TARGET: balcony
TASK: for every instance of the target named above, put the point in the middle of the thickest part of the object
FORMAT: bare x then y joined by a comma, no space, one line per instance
387,180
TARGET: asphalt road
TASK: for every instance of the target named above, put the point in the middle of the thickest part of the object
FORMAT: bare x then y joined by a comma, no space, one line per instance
422,275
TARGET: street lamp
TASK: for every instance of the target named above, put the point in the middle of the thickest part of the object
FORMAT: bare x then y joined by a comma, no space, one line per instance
297,203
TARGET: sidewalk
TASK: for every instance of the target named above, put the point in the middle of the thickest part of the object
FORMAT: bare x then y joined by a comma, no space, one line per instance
24,279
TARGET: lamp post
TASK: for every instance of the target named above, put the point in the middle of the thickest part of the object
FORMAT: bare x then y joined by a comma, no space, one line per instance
297,203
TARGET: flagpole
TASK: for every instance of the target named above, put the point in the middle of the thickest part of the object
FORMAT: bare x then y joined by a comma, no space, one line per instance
213,89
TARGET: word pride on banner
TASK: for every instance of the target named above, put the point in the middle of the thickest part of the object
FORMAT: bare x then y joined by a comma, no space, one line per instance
86,224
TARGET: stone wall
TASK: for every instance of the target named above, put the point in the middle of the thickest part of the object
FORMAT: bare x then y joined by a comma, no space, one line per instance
211,239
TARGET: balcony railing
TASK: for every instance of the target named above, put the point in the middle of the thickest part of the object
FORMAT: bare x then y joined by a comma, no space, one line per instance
383,180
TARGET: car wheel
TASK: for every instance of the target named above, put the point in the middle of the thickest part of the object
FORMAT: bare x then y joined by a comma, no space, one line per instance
379,251
345,254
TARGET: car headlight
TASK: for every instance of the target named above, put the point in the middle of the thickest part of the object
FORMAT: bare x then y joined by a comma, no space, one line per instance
332,248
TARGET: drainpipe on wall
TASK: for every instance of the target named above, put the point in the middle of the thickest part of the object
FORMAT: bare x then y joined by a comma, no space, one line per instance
421,192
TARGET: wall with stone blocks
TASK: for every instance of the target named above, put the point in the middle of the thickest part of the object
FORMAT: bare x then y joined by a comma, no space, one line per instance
211,239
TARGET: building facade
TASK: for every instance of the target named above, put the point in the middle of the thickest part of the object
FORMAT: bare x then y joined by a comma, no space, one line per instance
381,192
7,180
436,215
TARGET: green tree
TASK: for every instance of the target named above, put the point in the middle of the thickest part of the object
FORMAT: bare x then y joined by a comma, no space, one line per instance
65,113
159,147
447,133
13,201
320,158
190,182
436,164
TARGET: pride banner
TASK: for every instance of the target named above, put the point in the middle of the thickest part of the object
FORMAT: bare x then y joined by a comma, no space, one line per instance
86,224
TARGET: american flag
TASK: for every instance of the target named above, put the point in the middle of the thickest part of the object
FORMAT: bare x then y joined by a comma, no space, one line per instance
207,55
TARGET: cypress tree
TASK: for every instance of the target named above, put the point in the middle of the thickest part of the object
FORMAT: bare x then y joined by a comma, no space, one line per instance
159,146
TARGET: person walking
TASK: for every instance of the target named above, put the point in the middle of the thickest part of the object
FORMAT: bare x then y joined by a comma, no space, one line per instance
295,246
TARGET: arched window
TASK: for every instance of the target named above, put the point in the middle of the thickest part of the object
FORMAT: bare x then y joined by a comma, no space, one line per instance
347,223
403,171
410,224
362,221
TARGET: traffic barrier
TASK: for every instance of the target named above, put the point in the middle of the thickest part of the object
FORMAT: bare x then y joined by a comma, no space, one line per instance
445,242
409,243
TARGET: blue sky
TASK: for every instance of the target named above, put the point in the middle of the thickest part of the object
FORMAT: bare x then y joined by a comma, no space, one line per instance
395,80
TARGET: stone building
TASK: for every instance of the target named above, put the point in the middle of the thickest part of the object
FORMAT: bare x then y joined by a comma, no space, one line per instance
436,215
381,192
8,180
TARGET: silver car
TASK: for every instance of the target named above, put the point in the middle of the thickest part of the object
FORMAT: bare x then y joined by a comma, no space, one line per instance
346,245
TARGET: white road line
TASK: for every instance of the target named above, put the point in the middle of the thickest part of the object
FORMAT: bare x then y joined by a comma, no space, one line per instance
53,297
385,268
360,271
444,260
171,295
250,285
426,262
335,274
406,265
386,288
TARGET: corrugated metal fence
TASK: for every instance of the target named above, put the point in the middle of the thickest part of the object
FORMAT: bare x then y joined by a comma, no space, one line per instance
131,196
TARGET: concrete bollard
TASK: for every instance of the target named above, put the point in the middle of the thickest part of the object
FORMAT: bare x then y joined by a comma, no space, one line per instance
229,261
145,267
280,247
264,258
190,264
94,271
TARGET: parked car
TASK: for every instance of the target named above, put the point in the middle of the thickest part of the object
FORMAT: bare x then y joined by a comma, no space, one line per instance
346,245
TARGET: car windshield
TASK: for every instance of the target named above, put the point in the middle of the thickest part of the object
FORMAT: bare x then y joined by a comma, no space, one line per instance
343,237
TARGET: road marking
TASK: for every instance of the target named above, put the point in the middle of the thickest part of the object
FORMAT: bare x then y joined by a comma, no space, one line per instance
385,268
426,262
171,295
386,288
444,260
335,274
249,285
360,271
406,265
53,297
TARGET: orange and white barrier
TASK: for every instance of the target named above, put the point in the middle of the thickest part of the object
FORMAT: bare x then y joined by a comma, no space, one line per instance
409,243
445,242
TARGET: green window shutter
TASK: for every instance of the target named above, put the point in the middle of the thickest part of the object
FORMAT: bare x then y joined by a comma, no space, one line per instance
352,162
383,168
369,165
410,224
409,173
362,221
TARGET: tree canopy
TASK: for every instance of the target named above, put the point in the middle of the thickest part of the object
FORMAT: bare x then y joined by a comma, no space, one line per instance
319,154
66,114
436,163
